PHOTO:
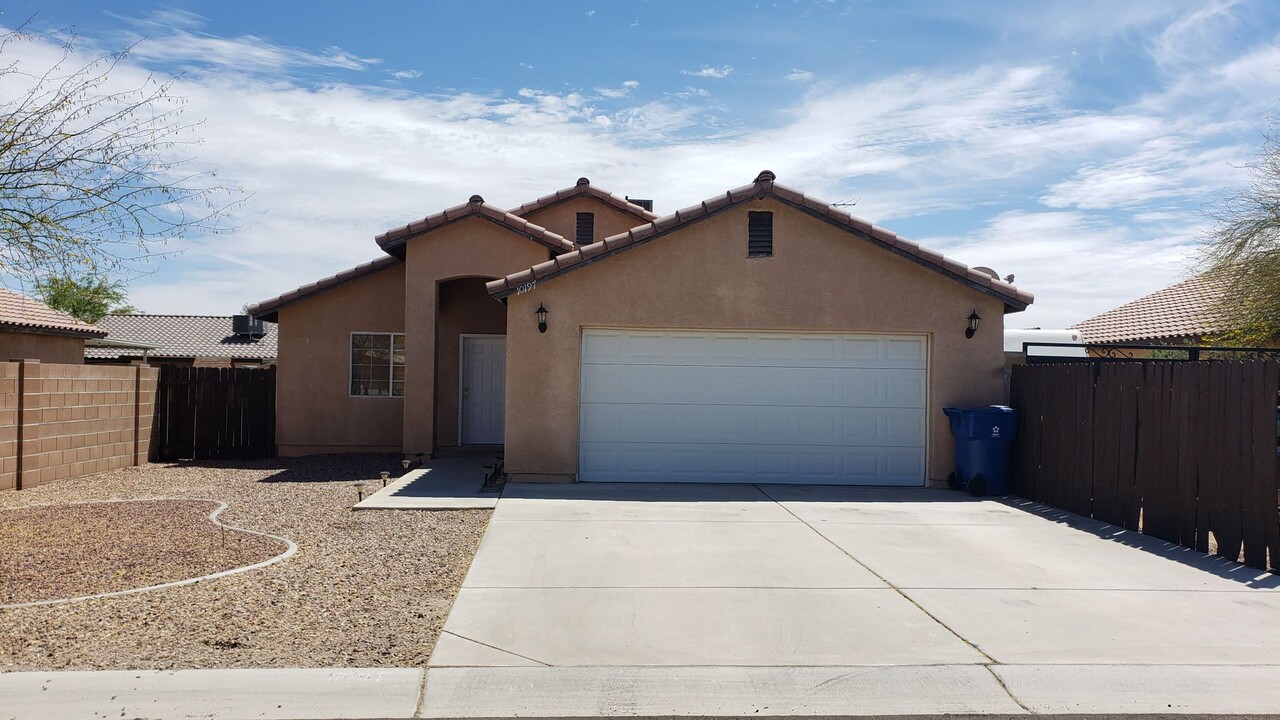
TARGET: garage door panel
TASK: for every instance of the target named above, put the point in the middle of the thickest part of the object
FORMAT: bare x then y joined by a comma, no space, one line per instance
861,387
685,424
766,464
714,406
650,347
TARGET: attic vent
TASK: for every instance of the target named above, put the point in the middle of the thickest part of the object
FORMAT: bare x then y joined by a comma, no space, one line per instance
759,234
586,228
247,325
646,204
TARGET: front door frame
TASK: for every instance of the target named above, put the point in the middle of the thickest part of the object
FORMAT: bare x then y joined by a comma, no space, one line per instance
462,377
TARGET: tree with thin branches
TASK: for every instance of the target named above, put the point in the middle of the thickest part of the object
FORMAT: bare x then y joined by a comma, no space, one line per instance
94,179
1243,250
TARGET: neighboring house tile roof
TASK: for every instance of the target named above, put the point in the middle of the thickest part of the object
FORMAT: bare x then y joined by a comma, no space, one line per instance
184,336
24,314
393,241
269,309
1184,310
581,188
764,186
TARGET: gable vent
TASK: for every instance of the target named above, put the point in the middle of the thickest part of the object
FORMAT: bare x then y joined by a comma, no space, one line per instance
586,228
759,234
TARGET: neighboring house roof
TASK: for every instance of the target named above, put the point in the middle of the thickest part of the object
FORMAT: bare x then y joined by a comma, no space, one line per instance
1185,309
19,313
269,309
393,241
580,189
184,336
764,186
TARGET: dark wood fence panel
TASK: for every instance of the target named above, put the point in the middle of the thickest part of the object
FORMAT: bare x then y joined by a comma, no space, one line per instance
1181,451
214,414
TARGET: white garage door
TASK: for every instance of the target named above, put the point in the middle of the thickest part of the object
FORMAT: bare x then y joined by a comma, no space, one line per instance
690,406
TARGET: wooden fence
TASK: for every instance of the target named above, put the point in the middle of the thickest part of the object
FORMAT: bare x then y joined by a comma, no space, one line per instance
214,413
1176,450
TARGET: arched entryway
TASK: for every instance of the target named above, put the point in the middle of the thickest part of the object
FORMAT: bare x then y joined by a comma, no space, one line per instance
470,354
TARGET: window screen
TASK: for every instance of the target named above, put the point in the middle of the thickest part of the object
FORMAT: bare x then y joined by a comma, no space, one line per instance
377,364
759,234
586,228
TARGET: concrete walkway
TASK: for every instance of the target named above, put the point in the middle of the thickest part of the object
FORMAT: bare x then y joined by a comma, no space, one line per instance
447,482
713,600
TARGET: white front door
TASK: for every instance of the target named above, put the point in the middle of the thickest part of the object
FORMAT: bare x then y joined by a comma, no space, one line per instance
484,362
742,407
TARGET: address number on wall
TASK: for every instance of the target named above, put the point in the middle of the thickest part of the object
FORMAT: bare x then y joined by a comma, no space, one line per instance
527,287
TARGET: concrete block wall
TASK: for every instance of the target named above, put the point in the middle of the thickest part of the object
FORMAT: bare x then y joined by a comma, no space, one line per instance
72,420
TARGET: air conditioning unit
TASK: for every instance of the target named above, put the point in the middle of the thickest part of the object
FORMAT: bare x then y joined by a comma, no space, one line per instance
646,204
247,325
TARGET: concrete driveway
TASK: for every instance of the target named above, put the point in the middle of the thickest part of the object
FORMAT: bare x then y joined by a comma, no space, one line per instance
711,599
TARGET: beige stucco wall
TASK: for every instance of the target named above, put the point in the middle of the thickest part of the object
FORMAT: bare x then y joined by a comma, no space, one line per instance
820,278
468,248
562,218
45,348
314,410
465,308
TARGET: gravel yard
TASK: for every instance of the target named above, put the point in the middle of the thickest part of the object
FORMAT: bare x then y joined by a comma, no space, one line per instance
365,589
64,551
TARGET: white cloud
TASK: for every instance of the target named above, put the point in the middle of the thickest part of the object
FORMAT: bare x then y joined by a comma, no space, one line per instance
406,74
710,71
241,54
591,13
798,75
1106,197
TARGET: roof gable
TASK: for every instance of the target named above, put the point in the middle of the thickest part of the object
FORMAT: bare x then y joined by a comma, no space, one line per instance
1014,299
393,241
1185,309
19,313
584,188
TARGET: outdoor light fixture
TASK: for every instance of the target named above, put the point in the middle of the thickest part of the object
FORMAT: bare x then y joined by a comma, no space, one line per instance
384,475
405,463
360,489
974,317
541,312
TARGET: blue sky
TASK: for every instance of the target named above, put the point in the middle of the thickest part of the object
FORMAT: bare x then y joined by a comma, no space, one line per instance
1072,144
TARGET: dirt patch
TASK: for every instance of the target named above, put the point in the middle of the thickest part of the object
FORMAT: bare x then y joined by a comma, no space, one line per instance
64,551
365,589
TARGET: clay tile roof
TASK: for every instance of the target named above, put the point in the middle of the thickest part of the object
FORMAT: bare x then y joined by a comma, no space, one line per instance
392,241
1185,309
579,189
184,336
21,313
269,309
765,186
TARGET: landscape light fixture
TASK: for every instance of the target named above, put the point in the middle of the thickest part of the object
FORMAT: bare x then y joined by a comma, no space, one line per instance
384,475
405,463
541,312
360,489
974,317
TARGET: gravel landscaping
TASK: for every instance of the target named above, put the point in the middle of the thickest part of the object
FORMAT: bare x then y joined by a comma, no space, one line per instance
365,589
64,551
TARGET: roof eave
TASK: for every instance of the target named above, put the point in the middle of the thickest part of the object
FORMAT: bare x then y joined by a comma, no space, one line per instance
64,332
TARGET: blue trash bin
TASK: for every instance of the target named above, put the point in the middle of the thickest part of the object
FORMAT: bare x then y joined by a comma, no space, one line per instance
984,448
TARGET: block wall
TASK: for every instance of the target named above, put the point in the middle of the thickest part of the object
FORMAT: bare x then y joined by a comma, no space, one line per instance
62,421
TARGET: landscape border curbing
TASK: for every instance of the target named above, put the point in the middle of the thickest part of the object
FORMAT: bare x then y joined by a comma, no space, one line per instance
290,548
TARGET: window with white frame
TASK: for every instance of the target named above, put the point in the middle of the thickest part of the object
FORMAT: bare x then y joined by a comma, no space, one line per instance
377,364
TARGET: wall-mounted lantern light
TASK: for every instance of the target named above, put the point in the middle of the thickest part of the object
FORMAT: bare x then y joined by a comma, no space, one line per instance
974,317
541,312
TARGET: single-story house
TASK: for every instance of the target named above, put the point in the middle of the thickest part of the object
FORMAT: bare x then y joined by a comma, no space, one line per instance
1184,313
31,330
759,336
187,340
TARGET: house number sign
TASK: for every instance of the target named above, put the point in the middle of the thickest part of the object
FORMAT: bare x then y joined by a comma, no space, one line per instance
527,287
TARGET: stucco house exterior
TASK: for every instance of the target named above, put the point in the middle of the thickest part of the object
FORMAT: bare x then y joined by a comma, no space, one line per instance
760,336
